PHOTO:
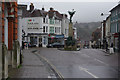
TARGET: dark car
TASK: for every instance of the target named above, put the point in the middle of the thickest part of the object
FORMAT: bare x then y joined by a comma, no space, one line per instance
49,45
55,45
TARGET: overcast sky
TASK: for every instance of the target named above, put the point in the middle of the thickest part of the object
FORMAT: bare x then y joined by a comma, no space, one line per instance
85,11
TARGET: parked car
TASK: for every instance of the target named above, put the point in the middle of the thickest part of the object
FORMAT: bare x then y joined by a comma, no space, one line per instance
55,45
49,45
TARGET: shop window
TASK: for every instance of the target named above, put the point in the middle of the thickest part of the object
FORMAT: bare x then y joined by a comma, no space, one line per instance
51,21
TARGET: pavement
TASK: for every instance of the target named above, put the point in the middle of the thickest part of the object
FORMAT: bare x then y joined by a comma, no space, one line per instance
31,67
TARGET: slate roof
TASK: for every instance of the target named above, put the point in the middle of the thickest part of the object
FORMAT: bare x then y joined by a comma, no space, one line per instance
54,13
42,13
118,6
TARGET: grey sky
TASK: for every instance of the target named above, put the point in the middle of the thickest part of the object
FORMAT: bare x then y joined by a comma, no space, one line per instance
85,11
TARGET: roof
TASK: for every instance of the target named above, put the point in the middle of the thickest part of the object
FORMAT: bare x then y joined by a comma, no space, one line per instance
54,13
108,17
41,13
36,13
115,7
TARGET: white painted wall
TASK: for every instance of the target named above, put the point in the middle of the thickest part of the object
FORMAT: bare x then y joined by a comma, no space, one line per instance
65,26
26,25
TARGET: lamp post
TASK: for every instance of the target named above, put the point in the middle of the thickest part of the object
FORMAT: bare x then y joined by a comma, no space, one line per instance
103,14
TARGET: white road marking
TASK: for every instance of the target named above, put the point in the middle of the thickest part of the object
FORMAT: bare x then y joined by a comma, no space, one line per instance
86,70
85,55
100,61
77,52
49,77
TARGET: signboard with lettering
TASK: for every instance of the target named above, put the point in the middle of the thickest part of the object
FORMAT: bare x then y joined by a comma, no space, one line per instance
33,24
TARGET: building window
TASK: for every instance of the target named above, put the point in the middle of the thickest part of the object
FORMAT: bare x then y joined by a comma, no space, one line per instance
55,30
51,29
59,29
51,21
44,29
43,20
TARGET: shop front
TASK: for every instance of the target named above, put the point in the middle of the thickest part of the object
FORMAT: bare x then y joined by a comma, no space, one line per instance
37,39
115,35
55,38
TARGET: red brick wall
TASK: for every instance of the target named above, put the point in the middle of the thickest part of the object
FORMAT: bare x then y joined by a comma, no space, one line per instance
12,24
10,33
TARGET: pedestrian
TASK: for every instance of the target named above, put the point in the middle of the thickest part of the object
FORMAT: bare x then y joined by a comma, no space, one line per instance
106,47
111,48
22,45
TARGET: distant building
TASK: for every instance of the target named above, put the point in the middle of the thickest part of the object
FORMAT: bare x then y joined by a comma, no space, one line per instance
42,27
96,38
107,32
115,25
103,28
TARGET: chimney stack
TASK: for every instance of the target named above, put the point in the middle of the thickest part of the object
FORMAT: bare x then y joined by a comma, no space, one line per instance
43,8
31,7
51,8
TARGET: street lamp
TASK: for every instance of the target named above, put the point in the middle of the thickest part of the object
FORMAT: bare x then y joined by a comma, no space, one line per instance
102,14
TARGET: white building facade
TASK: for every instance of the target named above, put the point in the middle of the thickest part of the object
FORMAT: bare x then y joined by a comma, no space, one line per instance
36,31
42,28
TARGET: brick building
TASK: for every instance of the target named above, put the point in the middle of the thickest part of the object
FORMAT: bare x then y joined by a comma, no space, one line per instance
10,46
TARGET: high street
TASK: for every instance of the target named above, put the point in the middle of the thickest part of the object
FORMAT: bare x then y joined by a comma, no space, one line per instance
86,63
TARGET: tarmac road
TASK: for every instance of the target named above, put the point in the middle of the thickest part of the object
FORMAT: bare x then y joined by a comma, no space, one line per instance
86,63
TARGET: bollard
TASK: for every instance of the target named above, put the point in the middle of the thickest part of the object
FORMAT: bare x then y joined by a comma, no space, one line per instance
4,62
16,54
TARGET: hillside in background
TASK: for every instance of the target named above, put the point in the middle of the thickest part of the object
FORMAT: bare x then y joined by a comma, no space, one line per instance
84,30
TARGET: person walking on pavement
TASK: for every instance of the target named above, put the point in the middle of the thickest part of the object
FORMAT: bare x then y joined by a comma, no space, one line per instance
106,47
111,48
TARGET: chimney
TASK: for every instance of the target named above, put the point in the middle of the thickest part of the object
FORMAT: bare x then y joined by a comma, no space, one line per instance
51,8
43,8
31,7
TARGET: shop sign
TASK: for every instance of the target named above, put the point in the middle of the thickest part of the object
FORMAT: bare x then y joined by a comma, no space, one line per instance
116,35
59,36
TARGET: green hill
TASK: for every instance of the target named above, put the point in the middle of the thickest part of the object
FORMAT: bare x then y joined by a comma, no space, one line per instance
84,30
